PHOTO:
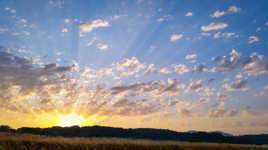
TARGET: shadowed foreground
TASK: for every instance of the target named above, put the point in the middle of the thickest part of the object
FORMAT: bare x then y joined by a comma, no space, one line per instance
10,141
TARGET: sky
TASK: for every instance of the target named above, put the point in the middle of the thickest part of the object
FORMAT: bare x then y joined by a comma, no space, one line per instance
171,64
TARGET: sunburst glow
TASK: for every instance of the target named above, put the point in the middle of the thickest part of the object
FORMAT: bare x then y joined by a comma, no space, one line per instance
71,120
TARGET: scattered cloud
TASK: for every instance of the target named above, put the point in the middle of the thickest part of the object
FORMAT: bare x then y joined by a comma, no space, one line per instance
3,30
102,47
252,39
64,30
214,26
160,19
89,26
129,66
195,86
253,65
163,70
180,68
175,37
190,56
189,14
239,85
198,68
231,10
224,35
67,20
217,14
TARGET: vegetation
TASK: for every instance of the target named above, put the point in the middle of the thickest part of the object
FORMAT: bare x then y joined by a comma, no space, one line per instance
13,141
141,133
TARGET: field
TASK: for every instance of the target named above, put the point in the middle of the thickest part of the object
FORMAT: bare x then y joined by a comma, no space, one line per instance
10,141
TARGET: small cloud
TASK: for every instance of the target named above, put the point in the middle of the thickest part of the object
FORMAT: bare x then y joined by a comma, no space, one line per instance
22,20
180,69
190,56
198,68
3,30
175,37
160,19
89,26
67,20
252,39
195,86
102,47
230,10
64,30
224,35
233,9
239,85
149,70
265,87
266,23
189,14
92,41
214,26
163,70
217,14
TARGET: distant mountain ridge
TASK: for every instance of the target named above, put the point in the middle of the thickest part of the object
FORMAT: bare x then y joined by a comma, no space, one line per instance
142,133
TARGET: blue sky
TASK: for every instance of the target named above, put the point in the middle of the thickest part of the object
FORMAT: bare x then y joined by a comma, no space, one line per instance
133,63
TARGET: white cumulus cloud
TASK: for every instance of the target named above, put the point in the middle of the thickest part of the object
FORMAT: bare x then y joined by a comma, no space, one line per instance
89,26
175,37
214,26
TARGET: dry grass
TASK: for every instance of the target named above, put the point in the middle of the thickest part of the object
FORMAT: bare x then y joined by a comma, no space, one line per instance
10,141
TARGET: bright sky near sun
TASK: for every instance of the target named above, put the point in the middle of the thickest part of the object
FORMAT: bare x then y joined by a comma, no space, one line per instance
196,64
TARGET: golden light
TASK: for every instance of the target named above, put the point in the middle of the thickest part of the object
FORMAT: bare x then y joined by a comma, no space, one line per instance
71,120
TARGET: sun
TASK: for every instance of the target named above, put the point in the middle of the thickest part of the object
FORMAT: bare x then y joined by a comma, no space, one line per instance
70,120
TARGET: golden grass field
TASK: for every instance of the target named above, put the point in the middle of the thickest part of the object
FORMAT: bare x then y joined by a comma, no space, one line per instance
9,141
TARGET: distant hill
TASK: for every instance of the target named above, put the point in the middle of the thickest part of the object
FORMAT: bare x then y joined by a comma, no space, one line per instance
142,133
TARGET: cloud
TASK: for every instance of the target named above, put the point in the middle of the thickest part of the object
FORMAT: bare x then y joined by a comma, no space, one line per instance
219,113
190,56
64,30
230,10
253,65
160,19
252,39
3,30
239,85
265,87
129,66
224,35
163,70
195,86
198,68
189,14
214,26
266,23
102,47
67,20
92,41
89,26
180,68
175,37
217,14
22,80
233,9
149,70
